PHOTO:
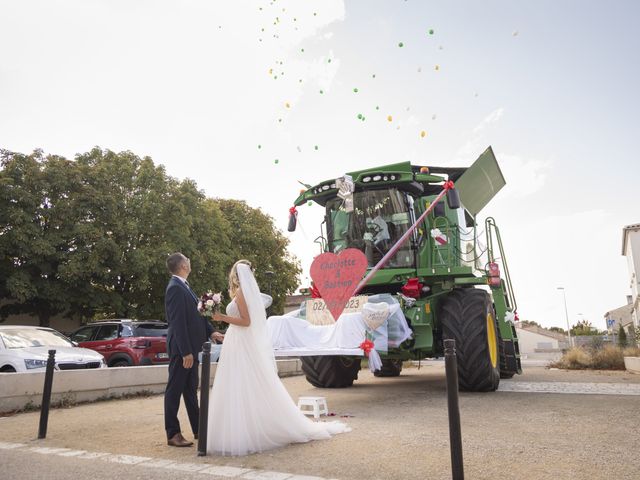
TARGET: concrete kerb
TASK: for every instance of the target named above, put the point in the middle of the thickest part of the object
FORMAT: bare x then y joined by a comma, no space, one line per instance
632,364
24,390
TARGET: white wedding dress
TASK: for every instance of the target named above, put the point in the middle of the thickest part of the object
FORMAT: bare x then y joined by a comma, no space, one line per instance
250,410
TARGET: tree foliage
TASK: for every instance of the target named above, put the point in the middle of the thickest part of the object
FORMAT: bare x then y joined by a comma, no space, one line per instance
255,238
89,237
584,328
558,330
622,337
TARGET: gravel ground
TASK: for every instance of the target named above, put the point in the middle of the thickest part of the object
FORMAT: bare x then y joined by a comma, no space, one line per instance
400,430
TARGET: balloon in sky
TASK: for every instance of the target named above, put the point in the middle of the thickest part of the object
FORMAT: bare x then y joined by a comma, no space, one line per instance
431,31
401,44
276,161
389,118
423,134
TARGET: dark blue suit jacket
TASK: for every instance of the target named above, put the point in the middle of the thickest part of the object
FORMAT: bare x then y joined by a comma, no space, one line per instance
188,330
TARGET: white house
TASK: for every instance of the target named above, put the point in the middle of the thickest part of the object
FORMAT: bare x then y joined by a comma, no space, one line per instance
620,316
631,250
539,343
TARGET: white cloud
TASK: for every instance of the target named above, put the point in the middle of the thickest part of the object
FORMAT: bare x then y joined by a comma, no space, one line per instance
524,176
493,117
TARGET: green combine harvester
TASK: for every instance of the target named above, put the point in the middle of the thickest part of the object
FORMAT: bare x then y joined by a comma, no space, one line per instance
450,277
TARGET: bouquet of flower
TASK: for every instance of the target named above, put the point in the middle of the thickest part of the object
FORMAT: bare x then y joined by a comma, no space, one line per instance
209,303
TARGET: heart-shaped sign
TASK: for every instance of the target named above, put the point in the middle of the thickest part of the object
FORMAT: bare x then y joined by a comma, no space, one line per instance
337,276
374,314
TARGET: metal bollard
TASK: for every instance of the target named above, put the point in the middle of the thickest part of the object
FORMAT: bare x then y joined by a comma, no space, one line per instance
203,420
46,395
455,436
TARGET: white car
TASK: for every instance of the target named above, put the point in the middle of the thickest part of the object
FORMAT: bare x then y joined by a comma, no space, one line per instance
26,349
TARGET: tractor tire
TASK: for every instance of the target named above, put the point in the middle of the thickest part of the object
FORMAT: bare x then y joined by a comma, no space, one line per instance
390,368
467,316
330,371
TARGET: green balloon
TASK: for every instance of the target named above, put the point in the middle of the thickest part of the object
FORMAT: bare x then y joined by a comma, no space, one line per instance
316,147
359,116
259,147
276,161
431,31
355,90
321,92
401,44
309,203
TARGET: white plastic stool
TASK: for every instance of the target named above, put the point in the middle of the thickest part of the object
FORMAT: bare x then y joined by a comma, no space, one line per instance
318,406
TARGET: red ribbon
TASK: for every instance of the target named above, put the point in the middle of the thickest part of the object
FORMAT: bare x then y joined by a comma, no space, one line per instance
448,185
366,346
315,293
293,211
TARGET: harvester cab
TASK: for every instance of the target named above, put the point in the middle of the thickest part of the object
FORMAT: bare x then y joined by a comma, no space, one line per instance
450,277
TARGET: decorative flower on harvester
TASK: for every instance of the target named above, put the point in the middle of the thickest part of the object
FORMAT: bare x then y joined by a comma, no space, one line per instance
366,346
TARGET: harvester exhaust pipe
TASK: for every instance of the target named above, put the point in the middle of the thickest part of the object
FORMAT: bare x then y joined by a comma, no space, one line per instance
455,435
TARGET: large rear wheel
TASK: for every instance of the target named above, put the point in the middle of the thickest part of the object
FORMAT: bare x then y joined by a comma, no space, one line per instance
330,371
468,317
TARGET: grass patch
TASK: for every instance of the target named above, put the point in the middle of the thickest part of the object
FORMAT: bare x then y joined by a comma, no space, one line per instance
608,357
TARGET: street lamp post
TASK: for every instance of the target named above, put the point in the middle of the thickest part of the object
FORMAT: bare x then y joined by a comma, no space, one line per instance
566,314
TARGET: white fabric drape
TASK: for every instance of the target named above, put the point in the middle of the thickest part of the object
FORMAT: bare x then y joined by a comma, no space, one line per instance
250,410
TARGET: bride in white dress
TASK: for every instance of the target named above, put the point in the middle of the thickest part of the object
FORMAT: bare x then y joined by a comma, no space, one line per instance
250,410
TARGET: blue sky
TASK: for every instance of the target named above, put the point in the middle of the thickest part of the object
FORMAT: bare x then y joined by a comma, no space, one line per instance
552,86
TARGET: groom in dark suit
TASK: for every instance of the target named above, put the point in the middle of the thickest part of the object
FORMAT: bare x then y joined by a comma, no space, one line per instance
188,330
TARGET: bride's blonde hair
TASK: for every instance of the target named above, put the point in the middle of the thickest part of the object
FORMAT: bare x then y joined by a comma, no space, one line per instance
234,282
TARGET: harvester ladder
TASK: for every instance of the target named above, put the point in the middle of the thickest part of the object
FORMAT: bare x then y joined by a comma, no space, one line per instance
494,232
449,260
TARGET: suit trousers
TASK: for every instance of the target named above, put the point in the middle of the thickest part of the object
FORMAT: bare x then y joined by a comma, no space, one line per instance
183,382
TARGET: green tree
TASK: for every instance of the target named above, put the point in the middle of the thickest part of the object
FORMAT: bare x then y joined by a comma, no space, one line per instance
137,217
583,328
622,337
90,237
38,225
557,330
530,323
255,237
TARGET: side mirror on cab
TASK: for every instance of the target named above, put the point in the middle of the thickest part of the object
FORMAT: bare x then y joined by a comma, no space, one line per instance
453,198
293,221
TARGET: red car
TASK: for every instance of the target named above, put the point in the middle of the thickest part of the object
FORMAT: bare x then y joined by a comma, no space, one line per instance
125,343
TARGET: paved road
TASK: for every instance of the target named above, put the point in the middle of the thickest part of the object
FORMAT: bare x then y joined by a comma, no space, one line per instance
580,425
20,461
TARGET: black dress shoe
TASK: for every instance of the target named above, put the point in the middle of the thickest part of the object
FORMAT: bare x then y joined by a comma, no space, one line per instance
178,441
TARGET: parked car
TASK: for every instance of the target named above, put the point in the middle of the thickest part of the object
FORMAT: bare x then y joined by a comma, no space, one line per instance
125,342
26,349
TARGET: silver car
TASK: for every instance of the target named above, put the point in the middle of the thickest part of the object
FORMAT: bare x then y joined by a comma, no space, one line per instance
26,349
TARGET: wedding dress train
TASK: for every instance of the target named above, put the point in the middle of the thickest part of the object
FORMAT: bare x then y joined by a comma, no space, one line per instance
250,410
